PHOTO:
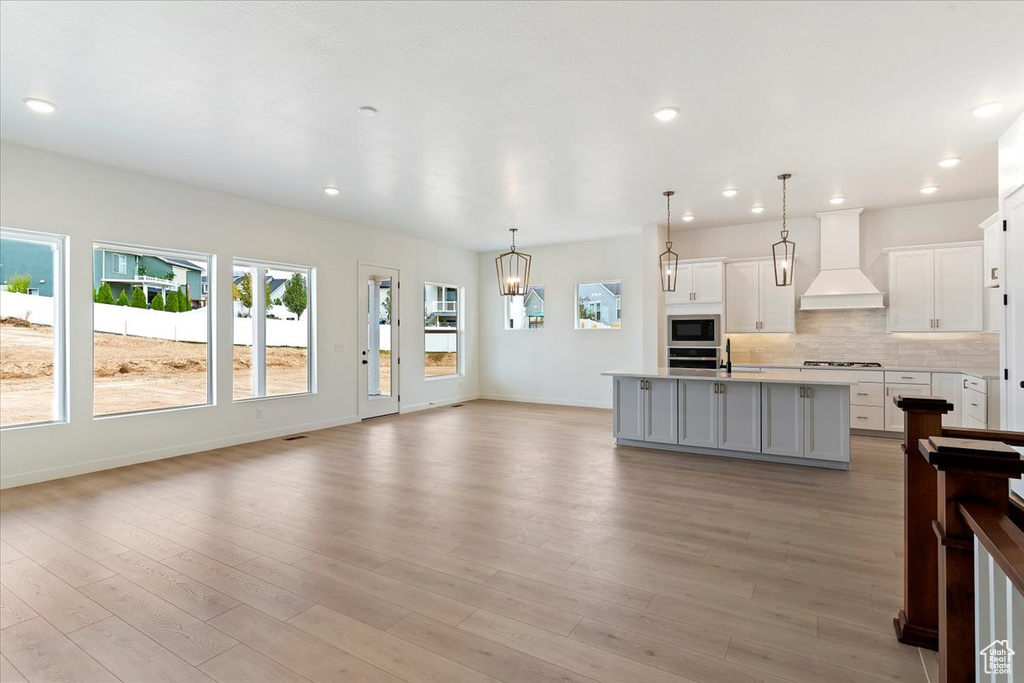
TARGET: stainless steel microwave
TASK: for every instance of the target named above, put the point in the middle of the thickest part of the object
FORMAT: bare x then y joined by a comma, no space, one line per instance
694,330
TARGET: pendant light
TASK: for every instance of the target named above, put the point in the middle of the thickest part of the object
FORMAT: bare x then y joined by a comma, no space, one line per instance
784,251
668,262
513,270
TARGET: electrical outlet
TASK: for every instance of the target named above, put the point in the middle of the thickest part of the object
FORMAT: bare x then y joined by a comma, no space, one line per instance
259,413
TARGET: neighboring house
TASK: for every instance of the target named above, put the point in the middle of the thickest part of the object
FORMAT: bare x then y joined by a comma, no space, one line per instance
125,270
441,306
533,306
602,301
21,257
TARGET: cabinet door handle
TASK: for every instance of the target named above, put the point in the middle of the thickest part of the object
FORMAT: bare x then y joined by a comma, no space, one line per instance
905,377
965,384
721,388
861,393
861,417
801,392
809,392
975,405
995,273
936,323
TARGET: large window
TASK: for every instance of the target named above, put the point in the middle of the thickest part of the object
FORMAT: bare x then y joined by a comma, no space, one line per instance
151,329
272,329
442,322
33,358
525,312
599,305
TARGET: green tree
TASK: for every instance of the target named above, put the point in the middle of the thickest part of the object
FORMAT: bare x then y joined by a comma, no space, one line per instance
184,303
242,292
296,296
141,270
123,299
387,307
19,283
157,304
138,299
95,296
171,304
105,295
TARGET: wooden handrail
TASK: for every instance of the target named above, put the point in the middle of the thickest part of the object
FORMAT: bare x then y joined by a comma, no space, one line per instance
1009,438
1003,539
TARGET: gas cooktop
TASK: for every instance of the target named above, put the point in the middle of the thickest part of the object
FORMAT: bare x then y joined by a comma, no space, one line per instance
840,364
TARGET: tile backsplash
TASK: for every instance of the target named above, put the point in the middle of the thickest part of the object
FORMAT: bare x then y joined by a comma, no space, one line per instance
860,335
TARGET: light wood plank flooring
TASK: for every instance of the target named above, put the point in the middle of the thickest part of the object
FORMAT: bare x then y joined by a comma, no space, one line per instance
488,542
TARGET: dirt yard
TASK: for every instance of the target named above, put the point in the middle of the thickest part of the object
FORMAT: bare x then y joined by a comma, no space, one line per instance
130,373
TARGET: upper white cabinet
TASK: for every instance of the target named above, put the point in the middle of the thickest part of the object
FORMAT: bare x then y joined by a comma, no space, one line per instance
753,303
698,282
936,289
994,249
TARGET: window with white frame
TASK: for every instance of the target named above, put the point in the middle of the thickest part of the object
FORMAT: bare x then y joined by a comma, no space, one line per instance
273,327
442,325
599,305
33,272
525,312
151,329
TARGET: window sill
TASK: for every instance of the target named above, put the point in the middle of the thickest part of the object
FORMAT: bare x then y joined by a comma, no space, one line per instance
457,375
155,411
255,399
33,425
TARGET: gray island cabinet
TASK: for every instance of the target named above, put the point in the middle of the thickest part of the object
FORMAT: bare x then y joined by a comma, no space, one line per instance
776,416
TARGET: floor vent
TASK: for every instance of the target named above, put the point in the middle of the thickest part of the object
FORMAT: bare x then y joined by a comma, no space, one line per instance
295,438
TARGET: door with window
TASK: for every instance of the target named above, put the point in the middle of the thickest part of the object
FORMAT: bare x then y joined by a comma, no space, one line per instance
378,344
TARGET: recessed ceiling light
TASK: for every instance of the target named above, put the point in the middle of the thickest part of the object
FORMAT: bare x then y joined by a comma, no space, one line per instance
666,114
757,209
368,111
730,192
688,217
837,200
987,109
40,106
331,191
929,189
950,162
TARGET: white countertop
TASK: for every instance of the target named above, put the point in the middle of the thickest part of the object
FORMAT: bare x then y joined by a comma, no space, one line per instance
774,376
980,374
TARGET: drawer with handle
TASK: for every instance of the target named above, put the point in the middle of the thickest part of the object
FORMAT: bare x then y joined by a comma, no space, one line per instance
867,394
897,377
976,406
867,417
976,384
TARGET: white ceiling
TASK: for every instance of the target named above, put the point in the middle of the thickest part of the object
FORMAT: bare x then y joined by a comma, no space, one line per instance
537,115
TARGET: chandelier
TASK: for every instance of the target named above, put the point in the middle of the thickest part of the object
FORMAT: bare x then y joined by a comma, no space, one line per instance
513,270
668,262
784,251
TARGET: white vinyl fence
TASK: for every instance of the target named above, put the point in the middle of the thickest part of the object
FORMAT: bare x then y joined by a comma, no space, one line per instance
189,326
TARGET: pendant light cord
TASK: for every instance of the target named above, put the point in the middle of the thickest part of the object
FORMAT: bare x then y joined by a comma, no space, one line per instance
668,218
785,232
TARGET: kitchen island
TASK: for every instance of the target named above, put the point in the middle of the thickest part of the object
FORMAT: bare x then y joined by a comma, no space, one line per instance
773,415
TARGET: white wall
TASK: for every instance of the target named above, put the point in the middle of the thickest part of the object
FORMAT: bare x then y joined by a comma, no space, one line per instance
560,364
58,194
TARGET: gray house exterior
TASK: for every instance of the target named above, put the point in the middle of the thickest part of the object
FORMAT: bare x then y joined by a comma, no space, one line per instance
601,301
533,307
22,257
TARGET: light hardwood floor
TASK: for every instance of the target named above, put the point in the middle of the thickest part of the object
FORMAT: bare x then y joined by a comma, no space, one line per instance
488,542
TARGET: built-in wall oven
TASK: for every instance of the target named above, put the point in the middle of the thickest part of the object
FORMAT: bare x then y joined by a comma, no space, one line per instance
701,357
694,330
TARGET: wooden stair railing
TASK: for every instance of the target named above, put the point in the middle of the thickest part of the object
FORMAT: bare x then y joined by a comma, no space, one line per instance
918,622
973,500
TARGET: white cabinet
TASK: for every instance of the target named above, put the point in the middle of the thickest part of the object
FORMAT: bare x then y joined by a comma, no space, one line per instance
894,415
698,282
646,409
975,402
806,421
753,303
994,240
936,289
949,385
724,415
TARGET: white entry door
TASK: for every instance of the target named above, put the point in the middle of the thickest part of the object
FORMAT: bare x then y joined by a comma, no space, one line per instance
378,344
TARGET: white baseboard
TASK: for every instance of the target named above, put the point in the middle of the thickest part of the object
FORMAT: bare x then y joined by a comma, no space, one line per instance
436,404
159,454
551,401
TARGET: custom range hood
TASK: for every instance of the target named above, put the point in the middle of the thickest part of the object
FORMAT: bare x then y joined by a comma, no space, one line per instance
840,284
